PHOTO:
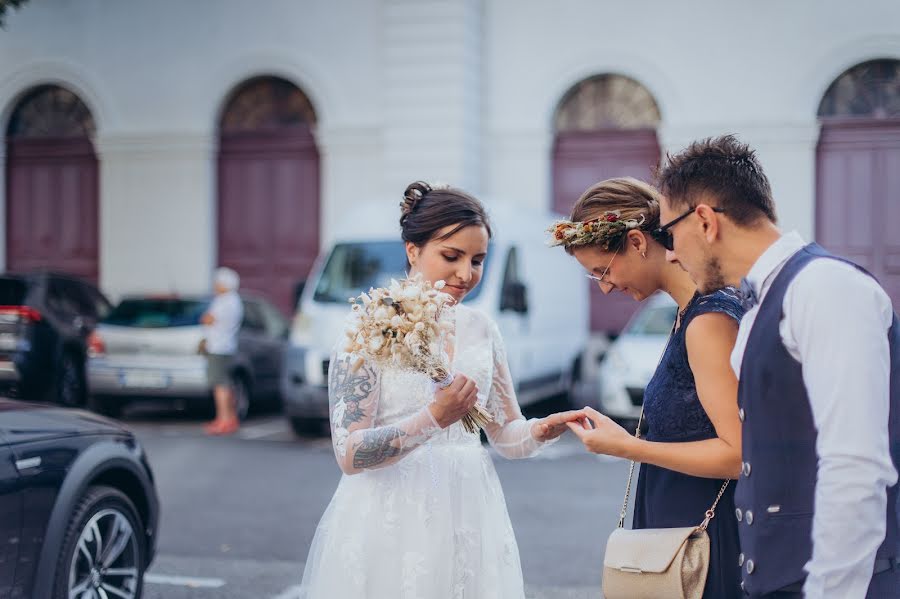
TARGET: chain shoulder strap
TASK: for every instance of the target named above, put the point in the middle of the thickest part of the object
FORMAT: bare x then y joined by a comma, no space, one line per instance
711,512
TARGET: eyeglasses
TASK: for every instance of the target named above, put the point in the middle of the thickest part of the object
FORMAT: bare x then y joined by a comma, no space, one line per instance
664,235
601,278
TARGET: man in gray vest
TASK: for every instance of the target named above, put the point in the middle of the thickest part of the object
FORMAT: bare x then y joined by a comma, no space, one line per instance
818,362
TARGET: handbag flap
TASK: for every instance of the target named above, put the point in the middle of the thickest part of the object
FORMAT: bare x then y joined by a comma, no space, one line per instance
645,550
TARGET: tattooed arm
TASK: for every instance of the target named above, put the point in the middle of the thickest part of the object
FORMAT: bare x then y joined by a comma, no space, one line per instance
358,444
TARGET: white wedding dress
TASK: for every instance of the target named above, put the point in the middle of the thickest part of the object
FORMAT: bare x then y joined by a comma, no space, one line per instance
419,512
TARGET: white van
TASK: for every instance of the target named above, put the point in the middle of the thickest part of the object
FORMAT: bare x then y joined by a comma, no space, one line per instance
537,295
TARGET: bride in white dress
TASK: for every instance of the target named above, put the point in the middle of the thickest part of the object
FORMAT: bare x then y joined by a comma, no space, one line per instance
419,512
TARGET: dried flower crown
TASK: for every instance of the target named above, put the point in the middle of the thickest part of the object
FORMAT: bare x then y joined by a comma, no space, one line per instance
605,231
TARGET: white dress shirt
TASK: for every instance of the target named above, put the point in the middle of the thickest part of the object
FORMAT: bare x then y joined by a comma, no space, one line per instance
835,324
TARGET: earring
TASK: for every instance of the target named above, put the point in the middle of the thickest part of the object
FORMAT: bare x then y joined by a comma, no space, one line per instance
644,254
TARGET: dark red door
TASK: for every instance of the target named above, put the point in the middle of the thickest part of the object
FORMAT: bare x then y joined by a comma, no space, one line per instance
858,195
52,185
268,221
582,158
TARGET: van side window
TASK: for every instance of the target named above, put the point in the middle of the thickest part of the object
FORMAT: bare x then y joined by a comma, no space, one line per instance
513,294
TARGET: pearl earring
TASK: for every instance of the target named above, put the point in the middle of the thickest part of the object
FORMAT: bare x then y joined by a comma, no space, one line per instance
643,254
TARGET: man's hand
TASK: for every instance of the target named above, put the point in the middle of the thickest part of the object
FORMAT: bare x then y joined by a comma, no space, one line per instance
600,434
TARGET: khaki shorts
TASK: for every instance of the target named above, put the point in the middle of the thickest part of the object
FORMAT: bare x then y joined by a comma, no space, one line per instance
218,369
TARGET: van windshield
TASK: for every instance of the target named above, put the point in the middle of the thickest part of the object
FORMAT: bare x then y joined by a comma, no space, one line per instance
353,268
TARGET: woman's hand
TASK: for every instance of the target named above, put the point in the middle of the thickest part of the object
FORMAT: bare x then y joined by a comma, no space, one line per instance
554,425
454,401
600,434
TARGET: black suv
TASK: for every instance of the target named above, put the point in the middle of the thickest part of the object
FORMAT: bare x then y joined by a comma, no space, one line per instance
45,322
78,506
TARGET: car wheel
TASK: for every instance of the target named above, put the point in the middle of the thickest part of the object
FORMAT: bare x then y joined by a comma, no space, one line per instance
103,550
306,427
70,383
241,391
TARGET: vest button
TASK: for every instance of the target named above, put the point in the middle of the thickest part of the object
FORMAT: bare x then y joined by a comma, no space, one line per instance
738,514
741,414
749,517
740,560
750,566
745,469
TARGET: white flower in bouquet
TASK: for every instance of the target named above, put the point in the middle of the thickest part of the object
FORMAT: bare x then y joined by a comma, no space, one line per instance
406,325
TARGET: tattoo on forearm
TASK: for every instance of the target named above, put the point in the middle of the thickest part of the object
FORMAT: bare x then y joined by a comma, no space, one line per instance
351,387
377,446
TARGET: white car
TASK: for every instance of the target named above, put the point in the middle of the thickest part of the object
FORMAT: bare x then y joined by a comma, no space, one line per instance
632,358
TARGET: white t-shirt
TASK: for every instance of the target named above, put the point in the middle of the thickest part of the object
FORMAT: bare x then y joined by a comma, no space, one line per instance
227,312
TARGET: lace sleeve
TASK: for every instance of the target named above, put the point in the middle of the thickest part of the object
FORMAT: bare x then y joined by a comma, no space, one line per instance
510,433
353,396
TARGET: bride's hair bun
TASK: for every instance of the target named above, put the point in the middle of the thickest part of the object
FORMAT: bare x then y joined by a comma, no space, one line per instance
411,197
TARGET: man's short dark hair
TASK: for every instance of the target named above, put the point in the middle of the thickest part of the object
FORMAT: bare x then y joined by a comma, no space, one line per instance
723,172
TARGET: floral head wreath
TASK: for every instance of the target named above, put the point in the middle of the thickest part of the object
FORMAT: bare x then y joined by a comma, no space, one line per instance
605,231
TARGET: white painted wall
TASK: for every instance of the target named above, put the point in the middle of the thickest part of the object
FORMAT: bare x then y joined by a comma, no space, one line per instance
457,90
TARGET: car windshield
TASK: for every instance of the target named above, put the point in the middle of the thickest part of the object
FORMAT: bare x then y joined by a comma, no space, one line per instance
653,320
155,313
353,268
12,292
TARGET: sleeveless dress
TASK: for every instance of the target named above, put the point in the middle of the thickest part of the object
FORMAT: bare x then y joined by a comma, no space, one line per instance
433,523
673,414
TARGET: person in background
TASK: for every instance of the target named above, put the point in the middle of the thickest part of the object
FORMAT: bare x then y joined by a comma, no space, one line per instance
222,322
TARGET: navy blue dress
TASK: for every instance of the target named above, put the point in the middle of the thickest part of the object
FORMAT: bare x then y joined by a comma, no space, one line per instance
672,414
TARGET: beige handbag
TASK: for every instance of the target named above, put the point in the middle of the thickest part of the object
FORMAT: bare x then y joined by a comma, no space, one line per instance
657,563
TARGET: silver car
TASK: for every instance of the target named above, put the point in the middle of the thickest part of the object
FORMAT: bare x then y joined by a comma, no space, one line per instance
631,360
150,347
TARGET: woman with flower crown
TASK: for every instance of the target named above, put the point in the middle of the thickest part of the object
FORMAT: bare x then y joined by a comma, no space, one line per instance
419,511
692,443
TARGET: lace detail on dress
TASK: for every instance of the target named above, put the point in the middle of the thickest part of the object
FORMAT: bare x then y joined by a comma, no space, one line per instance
672,409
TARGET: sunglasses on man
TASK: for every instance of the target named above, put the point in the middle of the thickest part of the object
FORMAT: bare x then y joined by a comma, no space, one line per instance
664,234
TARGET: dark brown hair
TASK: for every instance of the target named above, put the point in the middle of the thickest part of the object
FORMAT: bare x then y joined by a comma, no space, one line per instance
726,171
425,210
631,198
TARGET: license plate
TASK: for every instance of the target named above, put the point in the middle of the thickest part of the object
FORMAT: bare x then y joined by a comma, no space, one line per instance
144,379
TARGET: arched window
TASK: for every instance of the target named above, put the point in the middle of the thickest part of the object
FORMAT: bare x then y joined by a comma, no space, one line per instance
50,111
868,90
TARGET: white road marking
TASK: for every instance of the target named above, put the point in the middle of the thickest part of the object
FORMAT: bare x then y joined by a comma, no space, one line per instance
265,429
184,581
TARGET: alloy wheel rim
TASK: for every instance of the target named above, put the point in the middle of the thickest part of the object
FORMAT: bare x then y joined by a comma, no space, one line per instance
105,562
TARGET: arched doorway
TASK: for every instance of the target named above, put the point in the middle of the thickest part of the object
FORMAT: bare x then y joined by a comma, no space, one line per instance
605,127
51,185
268,188
858,170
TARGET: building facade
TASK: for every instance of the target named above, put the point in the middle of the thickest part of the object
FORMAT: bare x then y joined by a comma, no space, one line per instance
147,142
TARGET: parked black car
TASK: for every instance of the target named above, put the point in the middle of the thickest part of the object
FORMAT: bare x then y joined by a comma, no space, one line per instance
78,506
45,321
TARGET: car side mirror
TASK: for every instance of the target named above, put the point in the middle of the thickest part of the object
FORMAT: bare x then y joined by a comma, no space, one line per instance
514,297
